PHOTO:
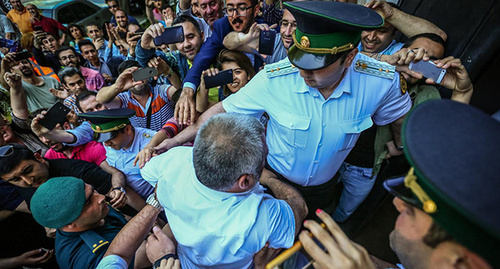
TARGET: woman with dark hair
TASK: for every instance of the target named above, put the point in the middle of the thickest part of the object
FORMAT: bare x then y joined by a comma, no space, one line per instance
243,71
77,34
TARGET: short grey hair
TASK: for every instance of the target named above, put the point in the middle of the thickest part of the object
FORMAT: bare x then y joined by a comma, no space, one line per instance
228,146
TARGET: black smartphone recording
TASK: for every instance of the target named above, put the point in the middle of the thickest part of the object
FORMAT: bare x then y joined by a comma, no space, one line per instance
224,77
266,42
55,115
22,55
171,35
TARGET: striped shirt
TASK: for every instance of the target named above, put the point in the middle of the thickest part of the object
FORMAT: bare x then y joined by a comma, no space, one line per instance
159,106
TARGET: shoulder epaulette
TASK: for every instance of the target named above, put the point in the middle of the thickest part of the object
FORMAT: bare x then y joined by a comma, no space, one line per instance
279,69
375,68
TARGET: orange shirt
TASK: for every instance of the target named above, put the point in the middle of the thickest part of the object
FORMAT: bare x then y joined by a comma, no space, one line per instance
22,19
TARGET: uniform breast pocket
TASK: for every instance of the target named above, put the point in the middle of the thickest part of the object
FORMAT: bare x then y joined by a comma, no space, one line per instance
352,129
293,129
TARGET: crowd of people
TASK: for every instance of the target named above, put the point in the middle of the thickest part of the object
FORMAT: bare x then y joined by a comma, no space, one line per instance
169,171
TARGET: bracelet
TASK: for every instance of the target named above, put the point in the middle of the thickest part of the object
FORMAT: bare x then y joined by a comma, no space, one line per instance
166,257
120,188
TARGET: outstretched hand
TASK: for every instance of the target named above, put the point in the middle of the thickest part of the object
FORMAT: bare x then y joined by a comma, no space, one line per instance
339,251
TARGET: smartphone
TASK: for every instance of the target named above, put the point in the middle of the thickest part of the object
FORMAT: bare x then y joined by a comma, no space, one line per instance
266,42
55,115
38,28
22,55
224,77
171,35
144,73
429,70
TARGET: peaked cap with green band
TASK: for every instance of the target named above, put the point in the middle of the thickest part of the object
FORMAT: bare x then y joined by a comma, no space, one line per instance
454,150
325,29
105,123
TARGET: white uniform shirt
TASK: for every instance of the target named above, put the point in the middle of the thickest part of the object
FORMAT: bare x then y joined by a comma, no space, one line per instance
309,137
216,229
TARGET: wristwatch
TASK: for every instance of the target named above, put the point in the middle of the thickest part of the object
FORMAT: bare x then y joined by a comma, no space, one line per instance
153,202
120,188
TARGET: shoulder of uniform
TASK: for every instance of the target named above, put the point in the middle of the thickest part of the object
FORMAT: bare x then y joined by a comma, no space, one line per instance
94,241
366,65
280,68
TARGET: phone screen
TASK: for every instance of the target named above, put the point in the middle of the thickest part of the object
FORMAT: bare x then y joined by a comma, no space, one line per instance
224,77
171,35
428,70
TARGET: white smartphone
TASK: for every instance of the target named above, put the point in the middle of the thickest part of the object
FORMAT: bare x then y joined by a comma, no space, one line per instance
429,70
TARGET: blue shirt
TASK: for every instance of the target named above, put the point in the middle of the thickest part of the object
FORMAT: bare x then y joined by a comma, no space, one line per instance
123,160
112,262
216,229
309,137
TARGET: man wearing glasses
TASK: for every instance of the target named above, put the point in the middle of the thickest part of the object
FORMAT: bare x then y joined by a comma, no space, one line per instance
113,7
240,16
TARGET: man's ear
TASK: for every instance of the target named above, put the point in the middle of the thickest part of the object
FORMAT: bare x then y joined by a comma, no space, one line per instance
66,126
350,57
128,129
39,157
245,182
256,10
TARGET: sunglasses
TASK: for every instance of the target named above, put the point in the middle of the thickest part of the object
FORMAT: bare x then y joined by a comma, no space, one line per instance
113,6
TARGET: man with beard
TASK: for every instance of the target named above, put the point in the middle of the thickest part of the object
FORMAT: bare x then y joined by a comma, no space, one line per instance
249,42
240,16
121,22
69,57
114,6
318,100
153,104
381,40
85,223
179,61
37,88
447,204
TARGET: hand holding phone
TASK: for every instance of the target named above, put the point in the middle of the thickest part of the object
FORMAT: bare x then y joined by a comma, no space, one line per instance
428,69
55,115
144,73
171,35
18,56
222,78
266,42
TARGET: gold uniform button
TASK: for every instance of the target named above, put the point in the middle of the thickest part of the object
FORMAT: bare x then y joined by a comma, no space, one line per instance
429,206
304,41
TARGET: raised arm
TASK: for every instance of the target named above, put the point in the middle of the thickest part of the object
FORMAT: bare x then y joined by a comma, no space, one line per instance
408,25
108,95
17,96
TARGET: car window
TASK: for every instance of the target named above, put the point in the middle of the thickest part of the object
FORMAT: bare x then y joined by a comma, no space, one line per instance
83,11
65,15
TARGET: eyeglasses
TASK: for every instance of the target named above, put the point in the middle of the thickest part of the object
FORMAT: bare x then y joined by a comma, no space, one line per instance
6,151
285,24
113,6
242,10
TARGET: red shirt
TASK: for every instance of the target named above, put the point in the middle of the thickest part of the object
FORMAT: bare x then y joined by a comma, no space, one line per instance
91,152
50,26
